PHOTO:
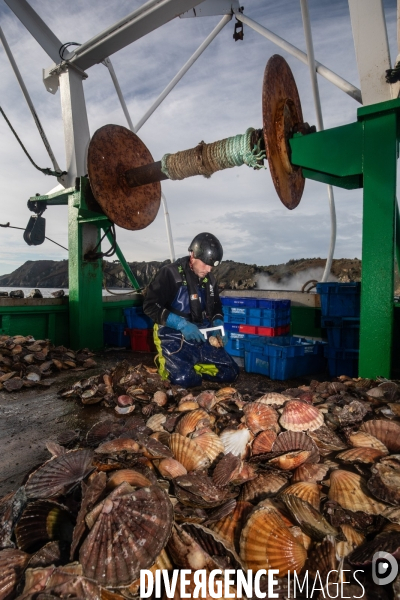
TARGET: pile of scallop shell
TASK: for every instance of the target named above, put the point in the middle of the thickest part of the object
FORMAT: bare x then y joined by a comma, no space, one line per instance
26,362
303,480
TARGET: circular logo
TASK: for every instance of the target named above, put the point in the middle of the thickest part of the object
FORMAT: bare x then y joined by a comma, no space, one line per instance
384,568
216,263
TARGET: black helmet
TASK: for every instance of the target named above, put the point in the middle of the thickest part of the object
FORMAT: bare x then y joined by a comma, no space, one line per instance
207,248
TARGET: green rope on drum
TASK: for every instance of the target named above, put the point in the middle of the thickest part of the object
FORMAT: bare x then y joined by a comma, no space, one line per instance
206,159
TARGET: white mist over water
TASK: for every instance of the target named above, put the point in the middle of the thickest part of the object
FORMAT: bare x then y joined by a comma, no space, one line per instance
290,282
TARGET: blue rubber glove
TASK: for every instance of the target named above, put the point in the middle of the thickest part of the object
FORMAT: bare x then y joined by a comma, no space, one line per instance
218,323
189,330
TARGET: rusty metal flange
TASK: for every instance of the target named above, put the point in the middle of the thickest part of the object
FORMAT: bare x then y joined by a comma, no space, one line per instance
113,150
281,114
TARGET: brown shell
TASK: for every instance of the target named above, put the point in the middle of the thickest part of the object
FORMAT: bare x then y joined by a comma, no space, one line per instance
210,443
236,441
171,468
229,528
262,444
290,460
263,486
311,473
195,419
155,423
296,440
362,439
118,445
43,521
206,399
12,566
266,543
362,455
188,453
187,405
309,519
259,417
346,489
160,398
385,481
226,470
59,474
353,540
196,489
300,416
386,541
90,495
162,437
310,492
273,399
326,440
388,432
134,478
129,533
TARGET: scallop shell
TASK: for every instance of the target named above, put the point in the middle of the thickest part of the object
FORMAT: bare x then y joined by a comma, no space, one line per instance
187,405
309,492
12,566
346,489
259,417
362,455
353,540
311,473
230,527
274,399
236,441
388,432
263,486
162,437
266,543
193,420
197,489
210,443
309,519
118,445
262,444
41,522
129,533
124,400
326,440
90,495
188,453
160,398
300,416
386,541
290,460
385,481
226,470
124,410
322,562
163,562
296,440
134,478
171,468
56,476
206,399
155,423
362,439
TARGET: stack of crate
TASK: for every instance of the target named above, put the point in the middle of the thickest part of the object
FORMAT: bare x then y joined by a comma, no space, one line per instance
115,335
253,318
340,308
139,329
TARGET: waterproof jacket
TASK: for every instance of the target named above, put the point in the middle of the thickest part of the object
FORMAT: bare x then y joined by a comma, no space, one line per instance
177,289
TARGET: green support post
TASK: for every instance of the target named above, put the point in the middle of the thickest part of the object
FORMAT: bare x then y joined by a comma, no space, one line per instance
398,236
378,245
85,277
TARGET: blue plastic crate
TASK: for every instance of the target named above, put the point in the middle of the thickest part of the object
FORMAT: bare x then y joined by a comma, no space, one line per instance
236,301
340,299
136,319
236,341
268,322
114,335
273,304
234,327
269,313
343,332
284,346
342,362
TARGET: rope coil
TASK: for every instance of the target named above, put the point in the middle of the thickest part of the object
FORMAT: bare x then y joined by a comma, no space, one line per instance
206,159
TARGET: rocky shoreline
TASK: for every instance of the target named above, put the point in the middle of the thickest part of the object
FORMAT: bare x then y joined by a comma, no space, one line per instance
229,274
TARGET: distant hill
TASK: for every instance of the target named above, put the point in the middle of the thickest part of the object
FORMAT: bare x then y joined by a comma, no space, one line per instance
229,274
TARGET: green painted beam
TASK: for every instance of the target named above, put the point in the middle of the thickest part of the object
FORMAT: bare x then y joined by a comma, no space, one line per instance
56,199
378,245
350,182
334,151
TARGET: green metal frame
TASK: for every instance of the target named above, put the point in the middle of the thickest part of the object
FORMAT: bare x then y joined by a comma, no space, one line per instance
85,276
364,154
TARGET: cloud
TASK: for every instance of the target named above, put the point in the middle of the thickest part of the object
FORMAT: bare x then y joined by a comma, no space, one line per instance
219,97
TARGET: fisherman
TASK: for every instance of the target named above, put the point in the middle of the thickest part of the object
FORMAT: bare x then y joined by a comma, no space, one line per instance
182,299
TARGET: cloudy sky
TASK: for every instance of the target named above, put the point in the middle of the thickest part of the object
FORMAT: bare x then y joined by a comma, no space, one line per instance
219,97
